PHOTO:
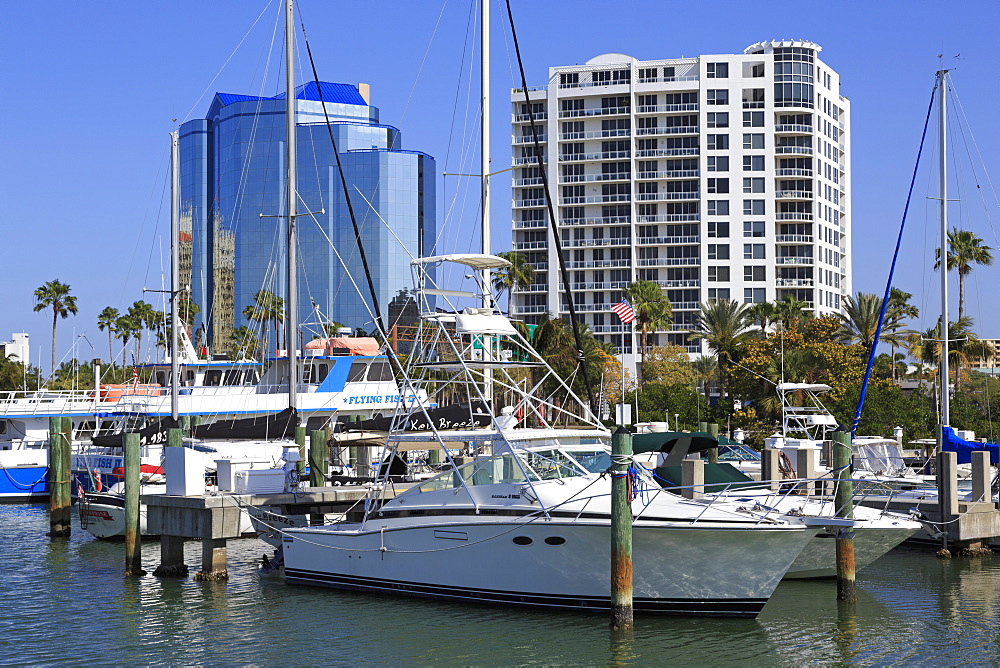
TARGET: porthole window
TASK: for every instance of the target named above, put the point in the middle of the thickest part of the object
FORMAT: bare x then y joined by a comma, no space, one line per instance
522,540
555,540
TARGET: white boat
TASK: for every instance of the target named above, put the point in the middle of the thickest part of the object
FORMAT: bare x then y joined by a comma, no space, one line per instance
529,521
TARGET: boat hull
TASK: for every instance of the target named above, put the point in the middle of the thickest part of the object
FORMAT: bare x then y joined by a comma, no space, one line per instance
819,558
681,569
23,483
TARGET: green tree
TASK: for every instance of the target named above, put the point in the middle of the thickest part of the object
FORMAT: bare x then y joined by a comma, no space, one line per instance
964,250
55,295
141,315
126,328
244,343
763,313
15,376
108,320
653,310
899,311
723,325
791,312
705,367
267,307
668,365
518,276
859,321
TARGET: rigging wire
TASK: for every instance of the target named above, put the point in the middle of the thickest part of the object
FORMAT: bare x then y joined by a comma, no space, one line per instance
581,359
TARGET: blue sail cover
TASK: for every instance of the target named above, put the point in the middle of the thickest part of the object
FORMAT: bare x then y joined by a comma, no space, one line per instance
952,443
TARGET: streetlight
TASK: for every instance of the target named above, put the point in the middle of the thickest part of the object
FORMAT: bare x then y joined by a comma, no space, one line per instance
677,421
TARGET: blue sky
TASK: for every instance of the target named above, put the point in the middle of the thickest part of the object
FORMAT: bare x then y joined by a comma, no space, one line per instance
92,89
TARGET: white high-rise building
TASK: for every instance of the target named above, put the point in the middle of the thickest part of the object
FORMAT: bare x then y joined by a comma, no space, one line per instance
718,177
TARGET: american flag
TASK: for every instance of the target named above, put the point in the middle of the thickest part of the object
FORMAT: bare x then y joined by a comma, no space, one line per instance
624,311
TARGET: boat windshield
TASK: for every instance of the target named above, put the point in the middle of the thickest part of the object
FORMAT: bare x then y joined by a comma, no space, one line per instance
593,461
738,453
503,468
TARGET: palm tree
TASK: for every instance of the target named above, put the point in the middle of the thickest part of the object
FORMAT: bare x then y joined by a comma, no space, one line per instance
899,310
764,313
519,275
964,250
963,345
55,295
653,310
705,367
243,342
859,321
108,319
141,314
267,307
126,328
791,311
724,326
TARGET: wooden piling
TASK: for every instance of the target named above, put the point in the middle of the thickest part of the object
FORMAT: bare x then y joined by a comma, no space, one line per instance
770,471
621,532
713,454
60,501
844,503
133,549
300,440
318,457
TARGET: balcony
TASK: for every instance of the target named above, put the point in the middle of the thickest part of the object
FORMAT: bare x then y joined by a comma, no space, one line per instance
675,130
578,113
655,241
680,283
673,174
527,140
794,129
666,197
530,224
590,178
594,243
793,150
529,202
794,260
665,152
685,306
610,329
606,220
668,262
794,215
534,287
794,239
793,194
793,172
794,282
595,134
598,264
595,199
613,285
526,118
530,245
692,77
669,218
666,108
531,308
580,157
528,160
534,181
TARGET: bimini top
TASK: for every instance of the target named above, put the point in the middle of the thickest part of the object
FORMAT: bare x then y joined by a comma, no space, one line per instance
474,260
809,387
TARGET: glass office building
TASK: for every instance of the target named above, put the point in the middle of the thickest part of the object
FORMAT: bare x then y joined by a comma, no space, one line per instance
233,192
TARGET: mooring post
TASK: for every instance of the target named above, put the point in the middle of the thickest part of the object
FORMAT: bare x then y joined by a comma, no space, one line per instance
318,457
300,440
58,479
621,531
692,478
172,547
213,560
133,550
844,503
703,426
770,472
713,454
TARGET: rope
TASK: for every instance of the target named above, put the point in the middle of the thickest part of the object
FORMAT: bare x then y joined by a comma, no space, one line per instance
888,283
20,485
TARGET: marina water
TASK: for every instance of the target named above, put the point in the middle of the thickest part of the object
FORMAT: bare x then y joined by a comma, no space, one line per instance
67,602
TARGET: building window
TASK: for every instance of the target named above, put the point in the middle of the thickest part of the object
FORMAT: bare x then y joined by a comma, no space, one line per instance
754,140
718,251
718,229
753,185
717,71
753,119
569,79
718,164
718,294
720,119
754,295
718,186
753,207
718,142
718,96
753,163
647,73
718,274
753,228
753,251
756,274
718,207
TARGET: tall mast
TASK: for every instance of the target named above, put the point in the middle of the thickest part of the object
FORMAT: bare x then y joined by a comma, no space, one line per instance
291,311
485,171
943,155
175,272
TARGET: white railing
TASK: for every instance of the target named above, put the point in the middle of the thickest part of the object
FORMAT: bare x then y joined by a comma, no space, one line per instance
598,264
793,172
795,282
793,215
665,108
595,134
663,197
529,224
526,118
648,241
691,77
800,150
530,245
674,130
666,152
589,243
528,139
793,194
794,260
529,202
589,178
608,111
794,239
533,181
669,218
792,127
668,262
673,174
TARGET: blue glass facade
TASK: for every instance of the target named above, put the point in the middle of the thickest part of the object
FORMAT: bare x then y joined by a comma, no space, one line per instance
233,172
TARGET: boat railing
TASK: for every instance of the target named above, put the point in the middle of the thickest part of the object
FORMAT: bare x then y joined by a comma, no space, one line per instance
47,402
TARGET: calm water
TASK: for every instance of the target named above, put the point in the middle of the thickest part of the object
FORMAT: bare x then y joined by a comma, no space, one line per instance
66,602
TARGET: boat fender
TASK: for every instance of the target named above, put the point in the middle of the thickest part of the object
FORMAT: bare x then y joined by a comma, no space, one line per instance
98,485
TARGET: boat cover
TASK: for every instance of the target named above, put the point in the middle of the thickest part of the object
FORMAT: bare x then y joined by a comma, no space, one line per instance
952,443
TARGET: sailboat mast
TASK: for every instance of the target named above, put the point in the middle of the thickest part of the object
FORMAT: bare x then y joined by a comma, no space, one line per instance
485,171
943,156
291,310
175,272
